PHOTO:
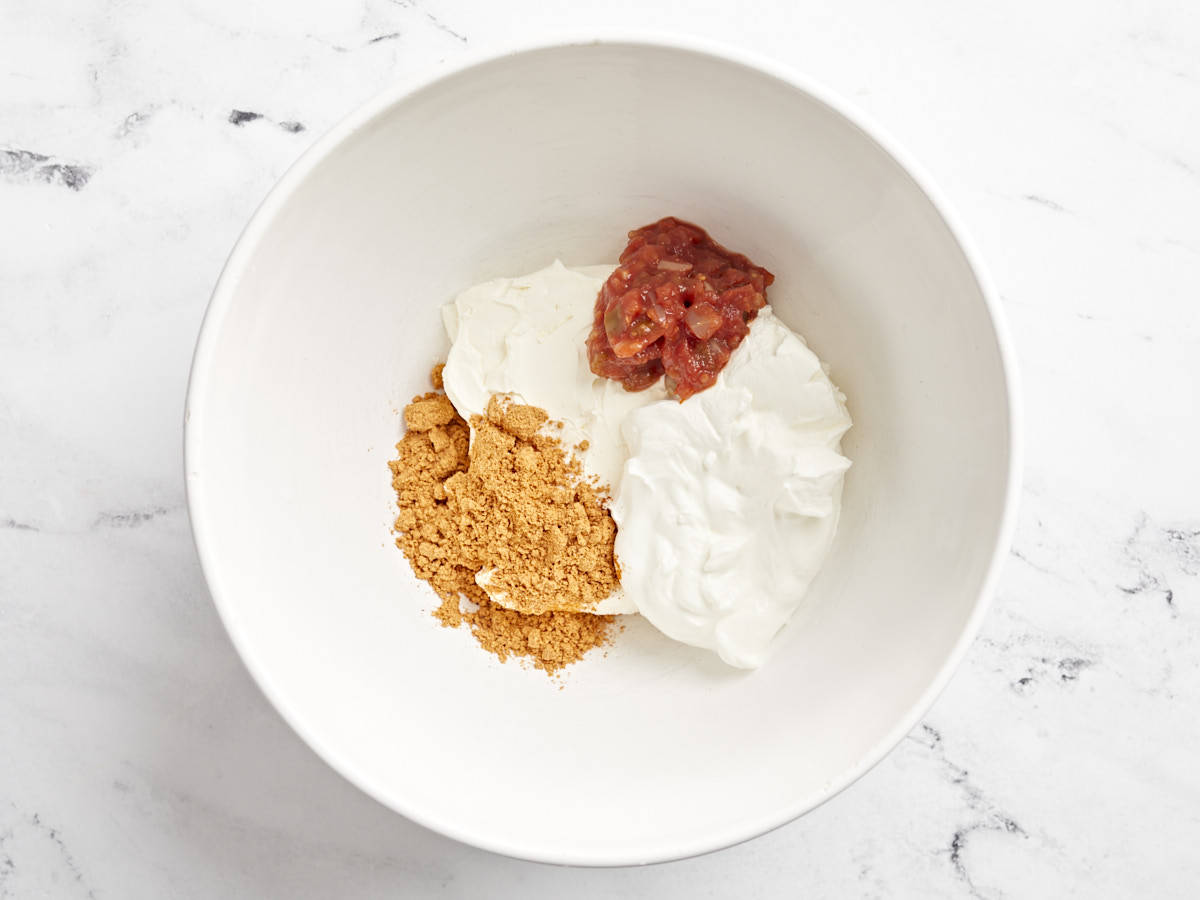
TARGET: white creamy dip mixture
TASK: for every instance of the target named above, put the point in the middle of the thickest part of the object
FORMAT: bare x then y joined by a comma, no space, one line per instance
726,504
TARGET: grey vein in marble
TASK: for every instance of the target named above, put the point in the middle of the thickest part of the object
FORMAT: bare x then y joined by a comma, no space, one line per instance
1046,202
25,165
1151,550
434,20
17,526
987,817
240,117
26,840
132,518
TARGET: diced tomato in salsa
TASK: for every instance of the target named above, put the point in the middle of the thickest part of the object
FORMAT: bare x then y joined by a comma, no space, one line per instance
677,305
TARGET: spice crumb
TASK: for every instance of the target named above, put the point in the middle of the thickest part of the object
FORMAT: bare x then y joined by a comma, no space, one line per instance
512,503
428,412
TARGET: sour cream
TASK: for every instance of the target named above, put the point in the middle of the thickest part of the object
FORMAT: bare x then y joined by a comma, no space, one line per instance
730,500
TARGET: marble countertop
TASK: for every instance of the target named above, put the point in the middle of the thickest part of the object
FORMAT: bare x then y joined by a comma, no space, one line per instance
137,759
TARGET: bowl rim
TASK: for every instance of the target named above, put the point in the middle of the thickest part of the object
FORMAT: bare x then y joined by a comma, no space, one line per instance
264,216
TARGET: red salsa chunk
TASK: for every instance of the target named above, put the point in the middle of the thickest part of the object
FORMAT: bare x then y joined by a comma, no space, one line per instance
677,305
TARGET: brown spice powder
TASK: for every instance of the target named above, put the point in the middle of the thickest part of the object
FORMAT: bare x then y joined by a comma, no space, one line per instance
515,505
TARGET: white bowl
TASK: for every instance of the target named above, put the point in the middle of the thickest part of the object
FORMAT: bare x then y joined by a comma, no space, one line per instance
325,322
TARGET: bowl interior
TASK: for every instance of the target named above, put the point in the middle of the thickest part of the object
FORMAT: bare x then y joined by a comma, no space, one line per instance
327,321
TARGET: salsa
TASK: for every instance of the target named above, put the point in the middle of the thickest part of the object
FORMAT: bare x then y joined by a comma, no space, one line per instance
678,305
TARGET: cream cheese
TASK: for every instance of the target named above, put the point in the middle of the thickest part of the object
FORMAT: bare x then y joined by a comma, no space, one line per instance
526,337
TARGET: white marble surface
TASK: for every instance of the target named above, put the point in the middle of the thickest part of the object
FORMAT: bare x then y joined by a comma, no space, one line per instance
137,759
